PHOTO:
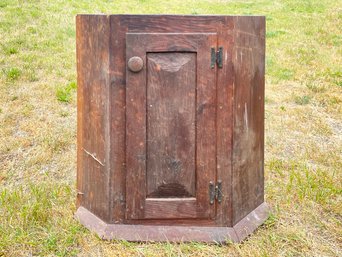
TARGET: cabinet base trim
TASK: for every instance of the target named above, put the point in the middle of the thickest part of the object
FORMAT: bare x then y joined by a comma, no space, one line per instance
158,233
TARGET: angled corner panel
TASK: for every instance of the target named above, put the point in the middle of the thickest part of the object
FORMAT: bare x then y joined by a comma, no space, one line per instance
248,138
93,113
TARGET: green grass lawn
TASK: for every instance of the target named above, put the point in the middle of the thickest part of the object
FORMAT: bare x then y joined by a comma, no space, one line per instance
303,166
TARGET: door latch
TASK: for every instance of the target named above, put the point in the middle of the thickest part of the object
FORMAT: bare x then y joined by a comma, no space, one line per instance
215,192
216,57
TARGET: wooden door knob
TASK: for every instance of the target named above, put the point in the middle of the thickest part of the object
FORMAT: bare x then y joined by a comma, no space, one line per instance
135,64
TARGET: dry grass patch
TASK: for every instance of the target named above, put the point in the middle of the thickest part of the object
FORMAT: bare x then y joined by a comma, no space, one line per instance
38,129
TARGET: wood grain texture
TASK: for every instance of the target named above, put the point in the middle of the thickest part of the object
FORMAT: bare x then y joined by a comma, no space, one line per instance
248,141
228,116
117,72
171,103
224,122
120,25
151,233
135,132
172,208
175,233
93,114
176,221
177,110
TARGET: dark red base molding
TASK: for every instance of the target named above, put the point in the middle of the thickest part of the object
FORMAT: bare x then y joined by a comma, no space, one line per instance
157,233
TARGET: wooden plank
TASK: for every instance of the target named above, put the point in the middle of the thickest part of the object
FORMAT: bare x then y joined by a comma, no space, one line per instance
224,122
179,221
170,23
176,208
248,138
80,103
251,221
175,233
117,100
171,100
148,233
135,133
93,115
206,124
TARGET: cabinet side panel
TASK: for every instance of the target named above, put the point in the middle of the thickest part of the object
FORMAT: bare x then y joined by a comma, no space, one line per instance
92,113
248,135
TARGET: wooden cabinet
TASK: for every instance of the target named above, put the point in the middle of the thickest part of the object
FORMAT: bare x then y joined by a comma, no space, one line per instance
171,126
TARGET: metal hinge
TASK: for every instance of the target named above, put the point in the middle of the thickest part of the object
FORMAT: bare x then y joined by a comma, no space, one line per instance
216,57
215,192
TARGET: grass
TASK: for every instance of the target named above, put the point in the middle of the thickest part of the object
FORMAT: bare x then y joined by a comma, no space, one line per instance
302,100
303,159
12,73
64,94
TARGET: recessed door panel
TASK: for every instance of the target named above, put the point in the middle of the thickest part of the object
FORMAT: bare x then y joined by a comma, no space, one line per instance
171,132
170,125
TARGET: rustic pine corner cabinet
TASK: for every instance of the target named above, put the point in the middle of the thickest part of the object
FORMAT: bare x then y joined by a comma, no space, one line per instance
171,126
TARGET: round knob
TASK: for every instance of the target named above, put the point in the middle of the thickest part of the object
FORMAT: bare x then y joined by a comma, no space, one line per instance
135,64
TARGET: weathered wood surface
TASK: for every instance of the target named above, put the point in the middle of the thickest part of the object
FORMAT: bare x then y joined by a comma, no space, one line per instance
120,25
93,139
216,133
171,103
175,233
248,142
170,126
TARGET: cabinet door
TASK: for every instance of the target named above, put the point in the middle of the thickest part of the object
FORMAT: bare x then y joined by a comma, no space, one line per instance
170,125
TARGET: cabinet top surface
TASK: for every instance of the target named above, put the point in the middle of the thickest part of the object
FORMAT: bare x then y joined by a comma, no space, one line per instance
173,15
